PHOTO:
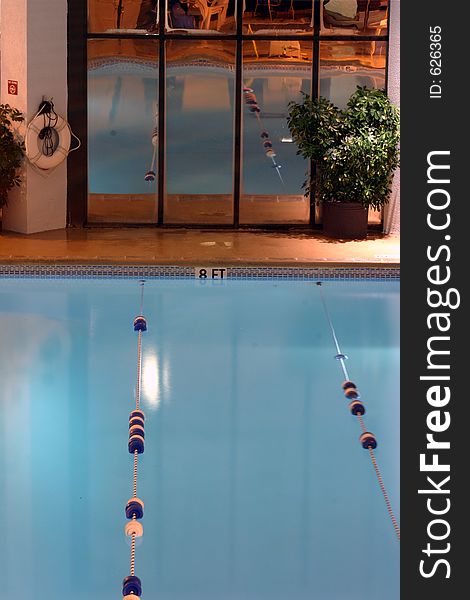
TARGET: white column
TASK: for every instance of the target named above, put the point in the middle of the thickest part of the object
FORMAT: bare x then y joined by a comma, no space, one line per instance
392,211
33,52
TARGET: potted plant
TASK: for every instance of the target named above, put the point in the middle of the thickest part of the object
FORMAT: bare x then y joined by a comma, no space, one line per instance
11,151
354,152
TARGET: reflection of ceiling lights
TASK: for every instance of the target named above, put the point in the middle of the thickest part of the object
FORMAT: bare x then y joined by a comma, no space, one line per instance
150,379
287,140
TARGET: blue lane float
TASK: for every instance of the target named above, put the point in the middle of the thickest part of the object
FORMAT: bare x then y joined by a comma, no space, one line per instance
357,408
131,585
137,413
136,444
134,508
351,393
368,440
136,429
140,323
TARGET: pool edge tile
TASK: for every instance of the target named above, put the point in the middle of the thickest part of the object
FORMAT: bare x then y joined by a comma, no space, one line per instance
139,271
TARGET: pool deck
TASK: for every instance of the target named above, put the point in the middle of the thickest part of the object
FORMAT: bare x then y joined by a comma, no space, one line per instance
151,246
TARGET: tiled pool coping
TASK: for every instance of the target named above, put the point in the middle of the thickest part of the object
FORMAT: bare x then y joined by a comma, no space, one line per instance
88,271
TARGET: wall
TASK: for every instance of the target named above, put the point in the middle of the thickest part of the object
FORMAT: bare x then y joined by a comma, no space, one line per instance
392,213
34,52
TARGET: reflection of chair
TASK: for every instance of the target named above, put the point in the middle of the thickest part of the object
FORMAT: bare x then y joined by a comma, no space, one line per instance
250,31
209,9
354,14
215,5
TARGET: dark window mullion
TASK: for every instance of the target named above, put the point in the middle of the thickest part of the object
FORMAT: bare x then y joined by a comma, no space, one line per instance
77,113
387,58
238,114
315,94
161,131
395,7
161,111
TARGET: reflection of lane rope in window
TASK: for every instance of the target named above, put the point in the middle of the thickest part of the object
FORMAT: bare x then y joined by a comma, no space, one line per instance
252,103
151,173
367,439
132,586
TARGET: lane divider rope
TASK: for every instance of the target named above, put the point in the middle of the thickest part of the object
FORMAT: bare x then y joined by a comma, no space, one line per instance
132,585
367,439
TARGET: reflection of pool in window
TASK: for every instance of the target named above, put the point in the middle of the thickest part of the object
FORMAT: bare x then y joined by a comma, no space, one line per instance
199,106
199,140
275,73
122,110
200,131
338,84
273,91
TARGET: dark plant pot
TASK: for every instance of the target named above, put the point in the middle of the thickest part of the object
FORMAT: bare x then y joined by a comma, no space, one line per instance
346,220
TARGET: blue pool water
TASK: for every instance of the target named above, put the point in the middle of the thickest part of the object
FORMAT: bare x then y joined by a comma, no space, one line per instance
255,485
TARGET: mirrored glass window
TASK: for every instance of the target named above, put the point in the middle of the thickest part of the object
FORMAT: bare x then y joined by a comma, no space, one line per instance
200,84
278,17
274,74
345,65
201,171
201,17
122,16
353,17
122,130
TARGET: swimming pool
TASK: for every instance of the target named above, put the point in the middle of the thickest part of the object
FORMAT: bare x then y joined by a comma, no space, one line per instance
253,478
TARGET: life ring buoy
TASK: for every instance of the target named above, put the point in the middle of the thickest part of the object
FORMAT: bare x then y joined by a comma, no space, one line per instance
34,152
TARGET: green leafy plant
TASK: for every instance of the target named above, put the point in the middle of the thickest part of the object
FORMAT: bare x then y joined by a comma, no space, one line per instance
11,151
355,150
